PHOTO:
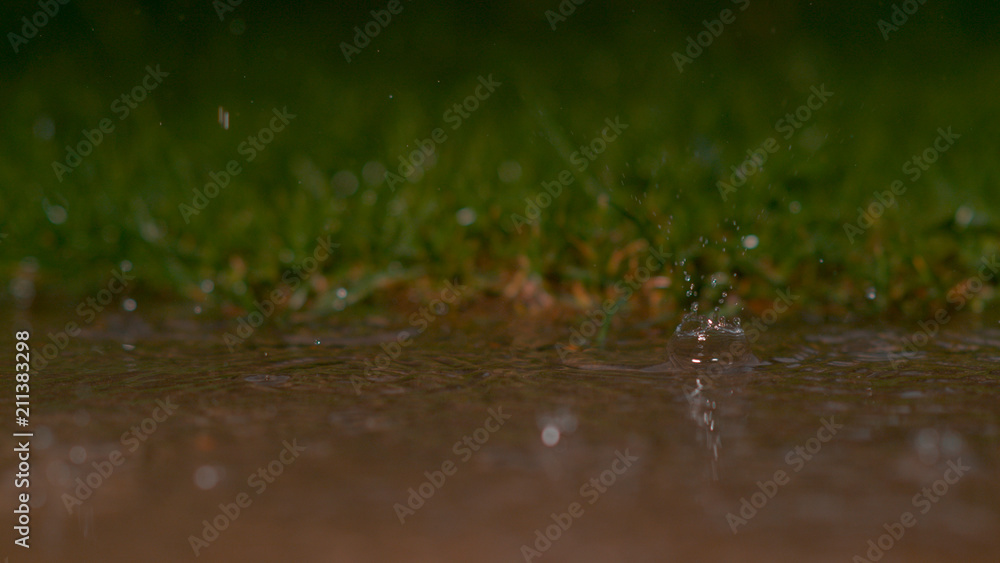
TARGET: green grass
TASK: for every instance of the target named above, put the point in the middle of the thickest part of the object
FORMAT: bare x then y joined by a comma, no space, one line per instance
656,183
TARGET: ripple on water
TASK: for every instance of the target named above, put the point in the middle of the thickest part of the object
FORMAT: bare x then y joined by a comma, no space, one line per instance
701,342
266,379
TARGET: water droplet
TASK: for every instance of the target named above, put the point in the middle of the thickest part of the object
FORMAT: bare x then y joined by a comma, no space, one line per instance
465,216
56,214
509,171
963,216
206,477
345,183
551,435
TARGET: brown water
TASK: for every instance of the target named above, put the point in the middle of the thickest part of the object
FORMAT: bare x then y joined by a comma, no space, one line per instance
677,452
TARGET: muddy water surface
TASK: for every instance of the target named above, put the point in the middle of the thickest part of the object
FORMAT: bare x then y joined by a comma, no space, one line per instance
478,443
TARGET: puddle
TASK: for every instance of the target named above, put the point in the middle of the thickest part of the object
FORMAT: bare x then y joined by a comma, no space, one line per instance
467,446
268,380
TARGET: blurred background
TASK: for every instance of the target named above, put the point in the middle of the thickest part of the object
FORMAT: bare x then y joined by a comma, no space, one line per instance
226,68
490,177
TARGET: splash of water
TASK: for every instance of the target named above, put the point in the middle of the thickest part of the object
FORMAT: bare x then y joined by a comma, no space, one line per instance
701,343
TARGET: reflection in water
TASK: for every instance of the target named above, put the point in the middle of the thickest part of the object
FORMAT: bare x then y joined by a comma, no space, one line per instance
900,429
703,414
